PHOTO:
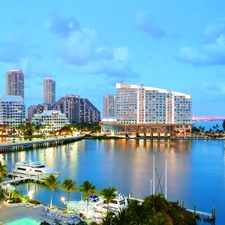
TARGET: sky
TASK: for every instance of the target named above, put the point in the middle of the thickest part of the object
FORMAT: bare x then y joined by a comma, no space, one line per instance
87,46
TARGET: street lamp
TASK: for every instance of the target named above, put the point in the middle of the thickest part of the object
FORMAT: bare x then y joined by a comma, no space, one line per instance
63,201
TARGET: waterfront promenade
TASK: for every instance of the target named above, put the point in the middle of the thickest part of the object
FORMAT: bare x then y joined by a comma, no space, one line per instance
44,142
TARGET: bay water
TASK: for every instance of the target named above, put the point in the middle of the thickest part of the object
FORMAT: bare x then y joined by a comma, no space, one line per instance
196,169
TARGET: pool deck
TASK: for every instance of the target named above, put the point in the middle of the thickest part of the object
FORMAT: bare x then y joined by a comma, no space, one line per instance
8,214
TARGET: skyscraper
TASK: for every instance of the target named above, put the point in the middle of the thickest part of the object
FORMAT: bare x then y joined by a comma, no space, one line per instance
49,91
108,105
15,83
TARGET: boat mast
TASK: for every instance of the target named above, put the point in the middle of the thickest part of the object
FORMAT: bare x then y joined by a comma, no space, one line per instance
166,179
153,178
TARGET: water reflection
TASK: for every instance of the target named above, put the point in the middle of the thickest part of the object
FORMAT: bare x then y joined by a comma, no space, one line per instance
196,169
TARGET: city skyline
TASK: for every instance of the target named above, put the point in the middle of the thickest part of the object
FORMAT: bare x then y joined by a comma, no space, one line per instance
86,49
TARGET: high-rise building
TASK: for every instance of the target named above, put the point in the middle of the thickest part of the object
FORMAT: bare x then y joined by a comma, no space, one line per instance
15,83
77,110
108,105
12,110
143,109
49,91
140,104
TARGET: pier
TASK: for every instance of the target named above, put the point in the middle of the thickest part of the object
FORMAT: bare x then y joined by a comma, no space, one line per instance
202,215
30,144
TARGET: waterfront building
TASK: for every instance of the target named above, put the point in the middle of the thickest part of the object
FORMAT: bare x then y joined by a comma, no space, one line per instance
12,110
150,111
49,91
77,110
108,105
15,83
37,109
51,119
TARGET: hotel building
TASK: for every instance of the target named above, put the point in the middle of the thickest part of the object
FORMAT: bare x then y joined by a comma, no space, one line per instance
150,111
12,110
108,105
49,91
15,83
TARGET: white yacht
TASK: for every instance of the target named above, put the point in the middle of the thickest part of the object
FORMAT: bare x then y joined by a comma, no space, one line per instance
33,170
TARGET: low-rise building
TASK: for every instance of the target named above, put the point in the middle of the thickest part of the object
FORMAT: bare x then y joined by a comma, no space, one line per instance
51,120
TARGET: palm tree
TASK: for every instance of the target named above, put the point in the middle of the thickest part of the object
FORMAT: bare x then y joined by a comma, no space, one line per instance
109,194
2,196
51,182
69,186
137,213
87,189
121,218
3,171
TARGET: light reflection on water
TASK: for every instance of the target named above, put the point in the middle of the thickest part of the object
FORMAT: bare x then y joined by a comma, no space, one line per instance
196,169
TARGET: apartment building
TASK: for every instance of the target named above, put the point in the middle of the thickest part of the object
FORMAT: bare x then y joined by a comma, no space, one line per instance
15,83
12,110
77,110
108,105
49,91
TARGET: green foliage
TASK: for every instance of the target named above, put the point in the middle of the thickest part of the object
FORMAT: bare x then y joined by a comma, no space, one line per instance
154,210
223,125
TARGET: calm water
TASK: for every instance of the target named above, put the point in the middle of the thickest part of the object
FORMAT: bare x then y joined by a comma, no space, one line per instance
196,169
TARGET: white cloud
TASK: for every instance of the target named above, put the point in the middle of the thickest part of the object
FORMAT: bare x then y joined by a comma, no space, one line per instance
210,53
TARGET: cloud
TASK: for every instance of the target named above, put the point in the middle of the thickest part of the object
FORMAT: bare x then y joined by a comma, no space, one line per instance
78,48
61,26
80,54
210,53
145,24
213,31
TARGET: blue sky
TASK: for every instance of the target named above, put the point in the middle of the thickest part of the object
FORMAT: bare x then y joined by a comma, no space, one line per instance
87,46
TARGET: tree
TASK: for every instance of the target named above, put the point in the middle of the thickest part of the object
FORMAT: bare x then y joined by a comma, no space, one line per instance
2,196
69,186
3,171
223,125
87,189
109,194
136,213
51,182
122,218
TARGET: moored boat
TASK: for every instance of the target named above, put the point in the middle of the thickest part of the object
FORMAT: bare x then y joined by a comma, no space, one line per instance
33,169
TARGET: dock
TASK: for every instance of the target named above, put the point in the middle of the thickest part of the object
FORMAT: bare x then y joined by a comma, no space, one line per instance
22,179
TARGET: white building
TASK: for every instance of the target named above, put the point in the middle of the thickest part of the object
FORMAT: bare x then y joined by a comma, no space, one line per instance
138,104
53,120
49,91
149,111
12,110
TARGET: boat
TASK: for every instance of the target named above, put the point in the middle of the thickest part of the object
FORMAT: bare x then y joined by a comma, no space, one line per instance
33,169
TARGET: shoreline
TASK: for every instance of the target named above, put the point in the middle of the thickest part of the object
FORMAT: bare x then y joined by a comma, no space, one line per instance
47,142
